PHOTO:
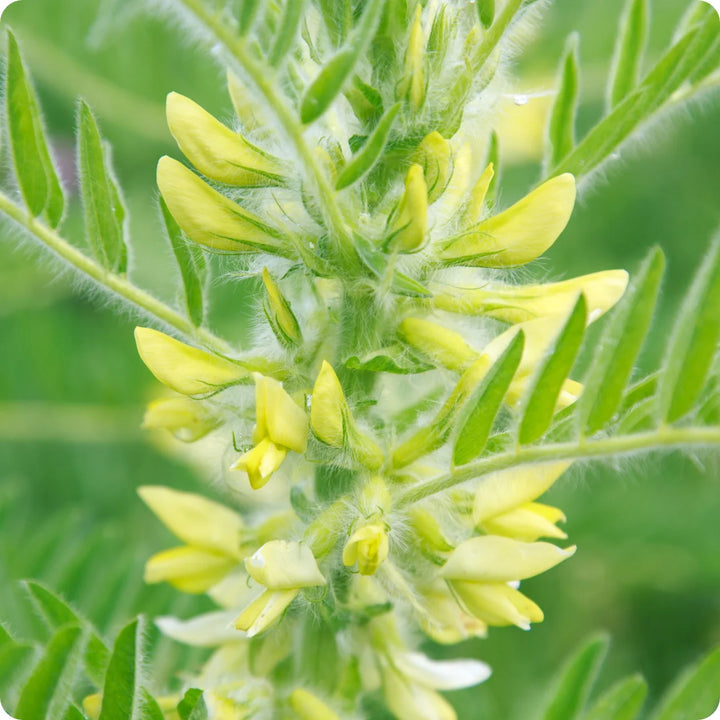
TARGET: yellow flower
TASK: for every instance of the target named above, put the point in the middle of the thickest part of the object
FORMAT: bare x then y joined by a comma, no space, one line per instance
443,346
434,155
443,619
186,419
368,547
410,225
284,568
211,532
279,314
413,83
526,302
476,199
519,234
504,502
480,573
215,150
185,369
209,218
310,707
281,425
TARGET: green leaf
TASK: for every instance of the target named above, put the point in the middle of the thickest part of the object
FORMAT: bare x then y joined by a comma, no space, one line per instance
548,381
16,662
486,12
695,694
246,15
561,130
34,169
124,698
693,342
623,701
620,344
192,706
56,613
393,359
292,14
48,691
629,50
439,39
369,152
193,269
475,431
73,713
576,681
365,100
103,203
332,76
337,15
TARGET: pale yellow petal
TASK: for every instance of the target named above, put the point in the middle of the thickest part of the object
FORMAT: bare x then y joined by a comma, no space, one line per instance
329,407
183,368
191,570
285,421
497,604
443,346
282,565
410,701
261,462
527,523
310,707
186,419
410,225
368,546
434,155
264,611
499,559
195,519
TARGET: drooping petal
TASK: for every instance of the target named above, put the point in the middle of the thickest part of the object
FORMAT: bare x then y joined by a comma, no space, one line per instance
191,570
441,674
410,701
264,611
410,226
499,559
519,234
207,630
497,604
285,421
186,419
527,523
183,368
195,519
443,346
282,565
261,462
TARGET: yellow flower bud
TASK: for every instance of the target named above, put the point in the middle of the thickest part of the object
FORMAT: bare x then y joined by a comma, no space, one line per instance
310,707
185,369
368,547
209,218
279,314
281,425
186,419
215,150
444,620
526,302
519,234
413,82
428,529
92,705
434,154
444,347
476,200
189,569
264,611
410,225
497,604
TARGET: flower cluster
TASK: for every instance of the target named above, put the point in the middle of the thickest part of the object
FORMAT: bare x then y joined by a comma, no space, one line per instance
389,307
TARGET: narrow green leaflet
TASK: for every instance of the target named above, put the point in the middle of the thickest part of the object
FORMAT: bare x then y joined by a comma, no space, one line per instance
369,152
493,157
620,344
72,713
48,692
16,662
102,201
474,432
285,37
392,359
561,130
124,698
246,15
695,694
486,12
193,268
629,51
576,681
34,169
57,613
623,701
553,371
192,706
332,76
693,342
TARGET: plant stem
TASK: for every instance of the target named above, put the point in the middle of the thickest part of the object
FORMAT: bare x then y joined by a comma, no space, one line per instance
664,437
262,76
119,284
494,35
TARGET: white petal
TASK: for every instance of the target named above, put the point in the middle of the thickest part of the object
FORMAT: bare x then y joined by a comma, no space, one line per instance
442,674
208,630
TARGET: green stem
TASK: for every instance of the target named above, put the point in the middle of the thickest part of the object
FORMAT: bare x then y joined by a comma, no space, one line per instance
262,76
495,34
119,284
665,437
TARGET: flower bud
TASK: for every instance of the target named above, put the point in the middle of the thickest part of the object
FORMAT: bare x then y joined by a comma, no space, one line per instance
444,347
434,155
497,604
185,369
368,547
279,313
186,419
410,225
209,218
476,199
215,150
412,85
310,707
519,234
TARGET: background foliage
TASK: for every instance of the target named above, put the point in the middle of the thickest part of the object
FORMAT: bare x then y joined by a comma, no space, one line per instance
72,387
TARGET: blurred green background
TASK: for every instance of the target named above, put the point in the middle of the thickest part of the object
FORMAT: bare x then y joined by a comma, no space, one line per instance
72,388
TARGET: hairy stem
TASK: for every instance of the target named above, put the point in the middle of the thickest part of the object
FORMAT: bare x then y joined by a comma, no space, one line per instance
119,284
664,437
262,77
495,34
